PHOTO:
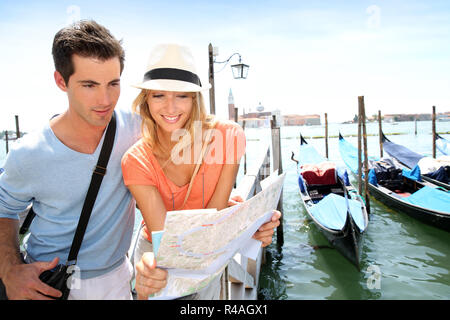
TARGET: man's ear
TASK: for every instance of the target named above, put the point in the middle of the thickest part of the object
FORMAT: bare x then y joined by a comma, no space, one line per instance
59,80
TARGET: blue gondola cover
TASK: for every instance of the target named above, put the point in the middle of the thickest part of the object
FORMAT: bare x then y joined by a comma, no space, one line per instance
431,198
402,154
373,177
413,174
331,212
300,183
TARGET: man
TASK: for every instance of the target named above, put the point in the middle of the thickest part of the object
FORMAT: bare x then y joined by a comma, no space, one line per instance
52,170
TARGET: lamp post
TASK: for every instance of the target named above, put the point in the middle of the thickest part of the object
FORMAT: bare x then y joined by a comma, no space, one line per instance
212,103
239,70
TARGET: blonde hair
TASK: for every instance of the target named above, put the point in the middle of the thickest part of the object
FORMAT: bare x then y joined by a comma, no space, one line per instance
148,126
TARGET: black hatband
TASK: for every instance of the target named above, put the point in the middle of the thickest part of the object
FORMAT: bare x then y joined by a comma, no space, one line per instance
172,74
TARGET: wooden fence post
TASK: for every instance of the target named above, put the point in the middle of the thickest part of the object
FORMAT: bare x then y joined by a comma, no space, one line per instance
326,135
359,148
6,141
245,154
17,127
212,102
277,165
433,130
380,133
366,160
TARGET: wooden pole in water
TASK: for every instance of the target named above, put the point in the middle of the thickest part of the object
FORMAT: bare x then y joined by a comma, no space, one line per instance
245,154
366,161
17,127
326,135
433,129
359,149
236,119
6,141
212,103
380,133
277,164
415,127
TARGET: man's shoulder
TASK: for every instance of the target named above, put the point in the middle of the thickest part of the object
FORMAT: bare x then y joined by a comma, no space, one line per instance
31,147
127,116
129,123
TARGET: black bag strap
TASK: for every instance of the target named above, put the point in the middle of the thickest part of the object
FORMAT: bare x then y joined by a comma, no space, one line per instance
96,180
26,223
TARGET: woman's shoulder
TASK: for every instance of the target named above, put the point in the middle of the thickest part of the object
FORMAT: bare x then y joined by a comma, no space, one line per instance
139,151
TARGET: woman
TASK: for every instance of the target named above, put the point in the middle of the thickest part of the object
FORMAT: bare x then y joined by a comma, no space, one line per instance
186,159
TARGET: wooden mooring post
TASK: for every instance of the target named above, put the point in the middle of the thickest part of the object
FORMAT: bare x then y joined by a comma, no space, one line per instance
6,141
7,138
236,119
245,154
359,149
326,135
277,165
17,127
433,130
380,133
212,99
366,160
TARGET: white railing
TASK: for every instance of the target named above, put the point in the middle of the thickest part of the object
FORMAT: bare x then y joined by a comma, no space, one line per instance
241,277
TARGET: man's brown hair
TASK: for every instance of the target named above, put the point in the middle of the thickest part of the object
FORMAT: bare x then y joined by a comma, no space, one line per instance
85,38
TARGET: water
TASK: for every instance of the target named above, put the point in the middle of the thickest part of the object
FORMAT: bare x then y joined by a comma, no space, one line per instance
412,258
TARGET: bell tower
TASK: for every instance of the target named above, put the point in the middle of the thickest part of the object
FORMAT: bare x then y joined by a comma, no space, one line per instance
231,106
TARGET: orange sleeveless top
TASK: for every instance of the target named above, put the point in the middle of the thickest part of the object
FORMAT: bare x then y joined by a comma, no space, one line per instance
140,167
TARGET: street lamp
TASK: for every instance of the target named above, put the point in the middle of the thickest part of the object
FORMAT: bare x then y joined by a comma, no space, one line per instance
239,70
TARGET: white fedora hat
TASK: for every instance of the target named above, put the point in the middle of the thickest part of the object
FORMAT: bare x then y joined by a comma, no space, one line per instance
171,68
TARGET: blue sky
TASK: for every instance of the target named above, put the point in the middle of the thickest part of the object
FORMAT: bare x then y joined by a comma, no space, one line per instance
305,56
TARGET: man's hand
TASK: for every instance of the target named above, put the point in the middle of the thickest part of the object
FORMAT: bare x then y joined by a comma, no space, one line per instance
22,281
265,232
149,279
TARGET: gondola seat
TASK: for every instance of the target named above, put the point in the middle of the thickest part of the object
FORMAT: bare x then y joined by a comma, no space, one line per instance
323,173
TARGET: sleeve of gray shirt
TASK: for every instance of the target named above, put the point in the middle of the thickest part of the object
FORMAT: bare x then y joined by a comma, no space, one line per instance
15,192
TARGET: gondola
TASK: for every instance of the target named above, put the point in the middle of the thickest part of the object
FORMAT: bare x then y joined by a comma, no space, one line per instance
396,189
332,202
411,159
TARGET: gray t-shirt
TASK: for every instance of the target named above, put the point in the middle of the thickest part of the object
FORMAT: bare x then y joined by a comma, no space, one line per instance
41,170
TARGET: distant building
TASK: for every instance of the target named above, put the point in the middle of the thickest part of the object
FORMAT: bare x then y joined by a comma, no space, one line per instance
406,117
443,116
257,115
256,122
298,120
261,118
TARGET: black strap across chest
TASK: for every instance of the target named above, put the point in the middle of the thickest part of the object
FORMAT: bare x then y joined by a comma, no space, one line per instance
96,180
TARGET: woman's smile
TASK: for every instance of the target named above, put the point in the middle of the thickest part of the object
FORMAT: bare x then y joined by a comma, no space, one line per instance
171,119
